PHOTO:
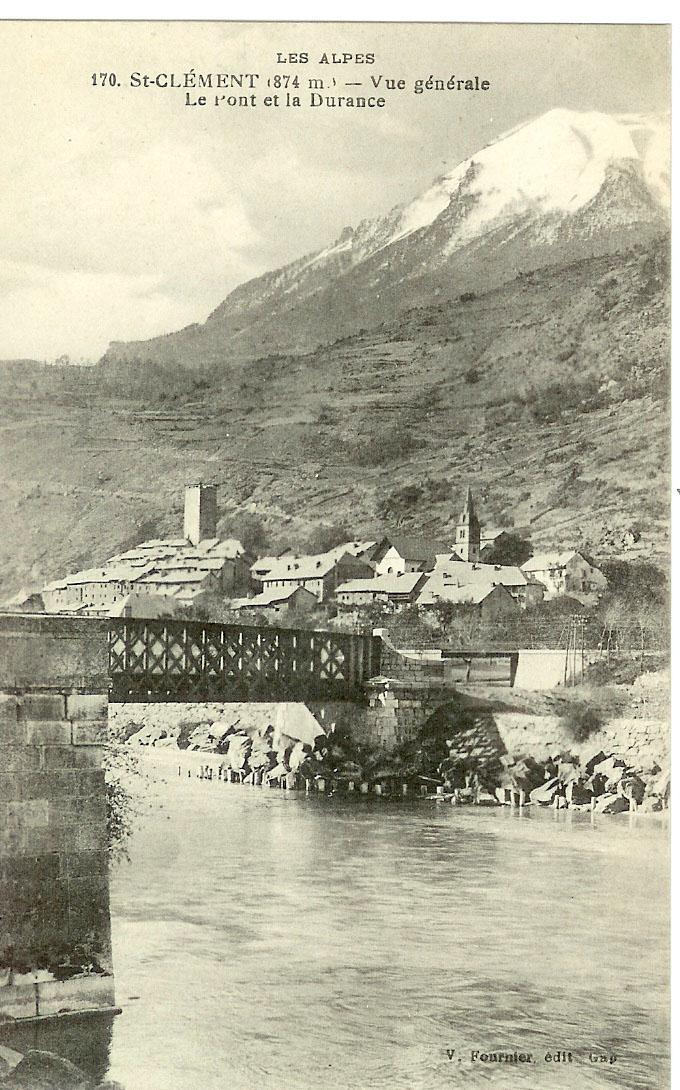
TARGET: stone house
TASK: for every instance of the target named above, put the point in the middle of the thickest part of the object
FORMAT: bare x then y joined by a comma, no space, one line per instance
94,590
321,574
566,573
450,574
397,554
364,550
260,567
492,601
393,590
488,538
183,586
497,539
276,601
225,560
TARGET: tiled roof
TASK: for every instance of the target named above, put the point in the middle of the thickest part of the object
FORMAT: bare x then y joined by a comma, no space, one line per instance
302,567
470,594
174,577
462,572
181,549
545,561
415,548
264,564
228,549
106,574
159,560
266,598
452,574
354,548
384,584
173,563
487,537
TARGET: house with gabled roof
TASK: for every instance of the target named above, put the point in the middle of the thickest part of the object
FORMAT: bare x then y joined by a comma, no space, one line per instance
566,572
277,600
393,590
491,600
362,548
321,573
449,575
92,590
397,554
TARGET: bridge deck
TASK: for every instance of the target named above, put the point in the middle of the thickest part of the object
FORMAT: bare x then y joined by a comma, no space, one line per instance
193,660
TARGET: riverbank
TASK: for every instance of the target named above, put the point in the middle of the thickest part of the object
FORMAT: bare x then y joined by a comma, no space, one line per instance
467,751
197,771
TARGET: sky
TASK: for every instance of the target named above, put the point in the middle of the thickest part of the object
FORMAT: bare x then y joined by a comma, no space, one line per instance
126,213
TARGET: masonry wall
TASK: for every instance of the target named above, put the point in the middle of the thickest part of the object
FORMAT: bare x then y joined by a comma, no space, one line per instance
398,713
643,741
54,885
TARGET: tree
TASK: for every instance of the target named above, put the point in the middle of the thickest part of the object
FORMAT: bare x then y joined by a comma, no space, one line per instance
249,529
636,581
508,548
325,537
121,766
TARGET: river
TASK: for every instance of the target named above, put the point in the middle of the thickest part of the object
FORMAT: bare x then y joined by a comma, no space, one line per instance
265,940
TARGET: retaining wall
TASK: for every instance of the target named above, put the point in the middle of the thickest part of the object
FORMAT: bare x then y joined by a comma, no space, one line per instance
642,742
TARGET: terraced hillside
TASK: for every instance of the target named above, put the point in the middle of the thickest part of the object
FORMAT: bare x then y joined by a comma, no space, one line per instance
548,395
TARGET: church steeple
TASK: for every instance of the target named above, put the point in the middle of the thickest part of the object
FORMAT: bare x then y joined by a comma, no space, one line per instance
468,532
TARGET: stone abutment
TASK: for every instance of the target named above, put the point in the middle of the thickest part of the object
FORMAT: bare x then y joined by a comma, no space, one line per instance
55,940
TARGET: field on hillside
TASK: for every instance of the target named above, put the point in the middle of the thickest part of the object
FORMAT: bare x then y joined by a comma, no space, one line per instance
548,396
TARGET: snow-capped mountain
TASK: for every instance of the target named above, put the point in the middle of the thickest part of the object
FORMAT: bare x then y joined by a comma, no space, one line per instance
554,165
564,186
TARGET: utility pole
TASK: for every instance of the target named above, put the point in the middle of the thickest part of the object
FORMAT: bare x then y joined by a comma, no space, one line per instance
575,642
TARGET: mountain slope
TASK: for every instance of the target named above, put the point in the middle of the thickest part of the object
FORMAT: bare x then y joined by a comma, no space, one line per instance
565,186
548,395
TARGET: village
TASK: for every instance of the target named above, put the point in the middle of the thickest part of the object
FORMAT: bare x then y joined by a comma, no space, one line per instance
184,576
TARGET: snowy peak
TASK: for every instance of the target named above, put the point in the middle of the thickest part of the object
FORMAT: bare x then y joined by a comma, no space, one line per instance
556,163
553,166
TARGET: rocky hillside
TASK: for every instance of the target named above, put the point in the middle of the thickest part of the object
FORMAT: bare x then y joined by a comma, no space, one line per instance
565,186
548,394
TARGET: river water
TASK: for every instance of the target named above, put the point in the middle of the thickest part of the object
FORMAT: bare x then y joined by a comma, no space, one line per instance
265,940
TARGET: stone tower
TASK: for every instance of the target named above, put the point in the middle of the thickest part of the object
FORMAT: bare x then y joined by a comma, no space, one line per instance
468,532
200,512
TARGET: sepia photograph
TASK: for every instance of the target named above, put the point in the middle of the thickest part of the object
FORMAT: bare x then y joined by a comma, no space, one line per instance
335,486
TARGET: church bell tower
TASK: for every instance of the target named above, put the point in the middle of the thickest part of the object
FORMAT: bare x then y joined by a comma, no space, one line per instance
468,532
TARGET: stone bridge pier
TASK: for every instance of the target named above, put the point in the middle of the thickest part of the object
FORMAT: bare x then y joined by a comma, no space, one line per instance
394,712
396,703
409,693
55,941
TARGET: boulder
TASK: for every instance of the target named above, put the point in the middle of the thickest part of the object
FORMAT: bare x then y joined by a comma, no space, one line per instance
46,1071
612,804
592,762
632,787
545,792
